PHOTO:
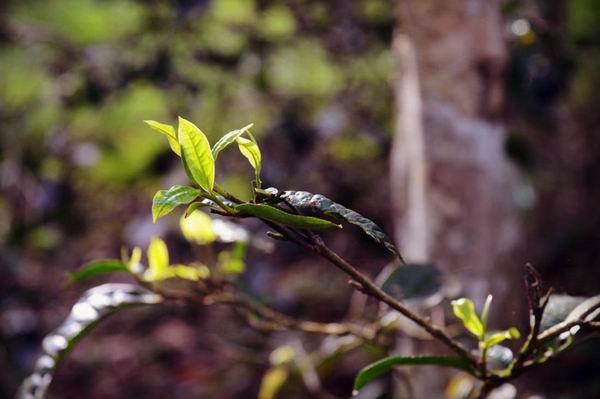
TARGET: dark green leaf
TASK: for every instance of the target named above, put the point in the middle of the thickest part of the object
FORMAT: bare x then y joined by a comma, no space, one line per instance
228,139
93,305
278,216
586,310
413,281
98,267
374,370
166,200
558,309
196,154
323,205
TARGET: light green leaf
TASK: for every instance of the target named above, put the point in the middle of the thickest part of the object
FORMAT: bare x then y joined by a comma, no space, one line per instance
168,131
228,139
232,262
98,267
486,311
498,337
166,200
193,273
158,261
198,227
278,216
320,204
249,149
272,382
196,154
464,309
374,370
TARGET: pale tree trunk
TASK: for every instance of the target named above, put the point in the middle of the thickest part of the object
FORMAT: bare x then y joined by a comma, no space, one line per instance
451,182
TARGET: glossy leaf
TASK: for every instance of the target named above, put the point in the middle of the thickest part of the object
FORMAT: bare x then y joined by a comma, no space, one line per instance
249,149
501,336
228,139
196,154
92,306
168,131
559,308
374,370
323,205
158,261
166,200
587,310
464,309
278,216
413,281
97,268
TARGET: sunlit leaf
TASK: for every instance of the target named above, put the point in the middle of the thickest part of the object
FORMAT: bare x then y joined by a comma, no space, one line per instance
278,216
272,382
486,311
93,305
198,227
374,370
168,131
158,261
196,154
232,262
464,309
193,273
133,263
249,149
323,205
413,281
501,336
166,200
228,139
98,267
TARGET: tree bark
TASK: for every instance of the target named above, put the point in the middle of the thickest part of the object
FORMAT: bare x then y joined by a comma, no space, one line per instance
451,182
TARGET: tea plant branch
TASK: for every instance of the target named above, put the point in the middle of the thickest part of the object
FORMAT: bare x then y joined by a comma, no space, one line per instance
276,321
365,285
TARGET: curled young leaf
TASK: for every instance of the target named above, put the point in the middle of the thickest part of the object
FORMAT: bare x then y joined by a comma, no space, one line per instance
374,370
249,149
168,131
323,205
228,139
93,305
464,309
278,216
166,200
196,154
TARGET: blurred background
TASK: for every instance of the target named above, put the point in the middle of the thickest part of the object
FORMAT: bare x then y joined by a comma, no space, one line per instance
505,126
